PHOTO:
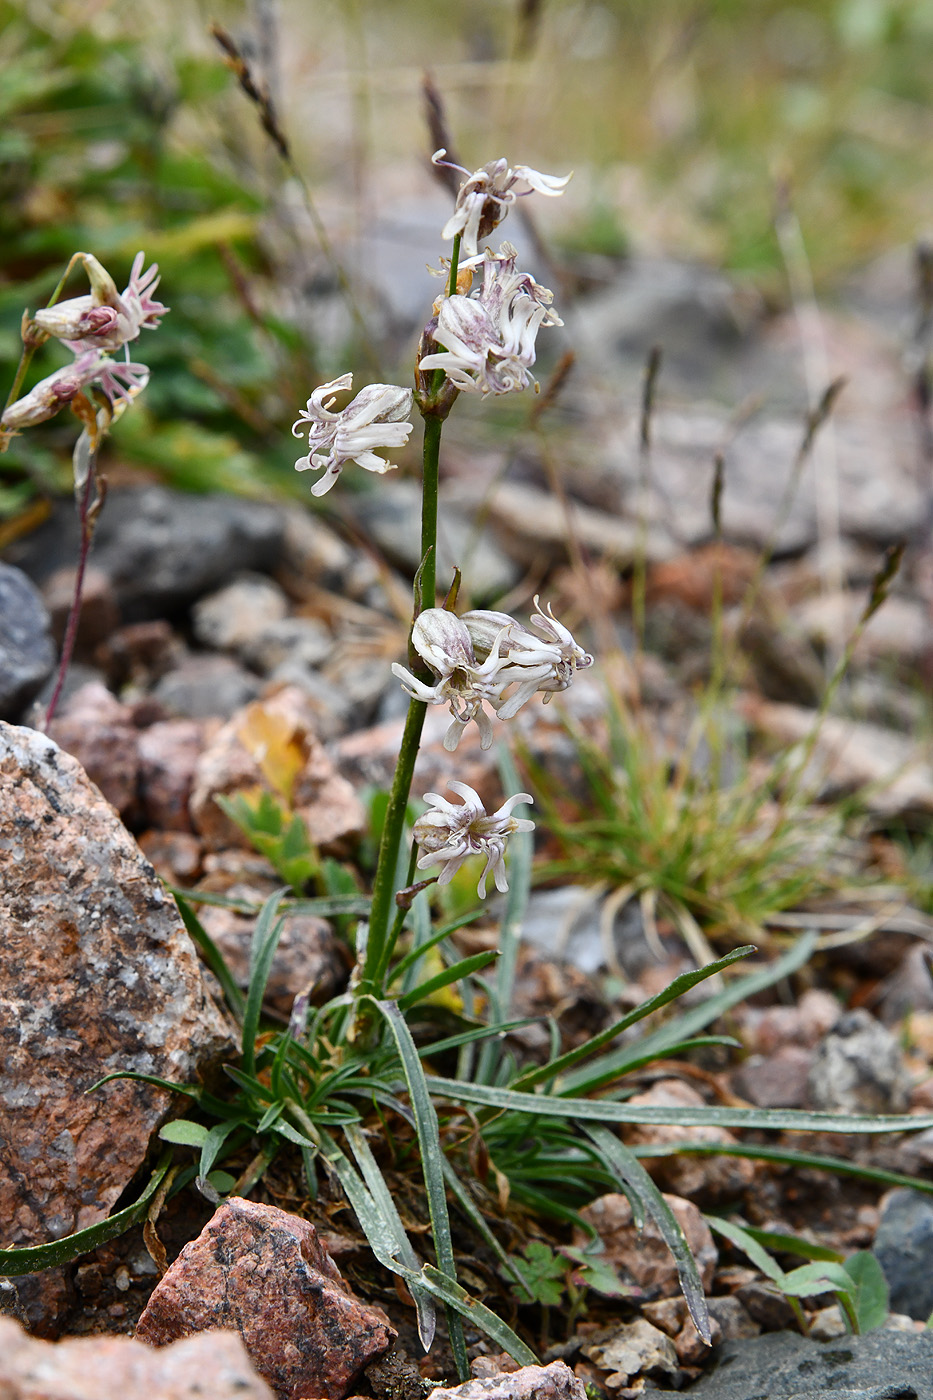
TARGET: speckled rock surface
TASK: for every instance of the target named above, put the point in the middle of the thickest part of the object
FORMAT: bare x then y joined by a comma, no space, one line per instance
265,1273
98,974
27,654
213,1365
881,1365
554,1382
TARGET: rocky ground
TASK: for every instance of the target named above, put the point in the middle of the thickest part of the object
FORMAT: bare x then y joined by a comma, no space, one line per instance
211,623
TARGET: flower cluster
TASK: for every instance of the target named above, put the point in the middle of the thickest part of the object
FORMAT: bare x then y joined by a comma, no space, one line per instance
485,197
91,327
452,831
478,659
374,418
489,338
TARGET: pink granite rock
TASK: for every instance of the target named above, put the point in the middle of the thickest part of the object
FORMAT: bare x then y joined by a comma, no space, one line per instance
641,1256
97,974
554,1382
266,1274
268,739
99,732
88,1368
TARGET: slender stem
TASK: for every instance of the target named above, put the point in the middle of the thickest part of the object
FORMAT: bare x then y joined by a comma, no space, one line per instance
74,613
378,943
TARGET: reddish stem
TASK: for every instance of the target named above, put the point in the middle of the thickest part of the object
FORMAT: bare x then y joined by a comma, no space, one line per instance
74,612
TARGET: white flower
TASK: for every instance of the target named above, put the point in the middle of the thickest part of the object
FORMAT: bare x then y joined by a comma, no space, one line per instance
452,831
485,196
105,320
489,338
480,656
120,381
441,639
374,418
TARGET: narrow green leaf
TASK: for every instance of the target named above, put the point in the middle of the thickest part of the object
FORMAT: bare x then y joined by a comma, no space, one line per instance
603,1111
632,1175
262,950
432,1158
465,968
212,956
680,984
382,1197
34,1258
839,1166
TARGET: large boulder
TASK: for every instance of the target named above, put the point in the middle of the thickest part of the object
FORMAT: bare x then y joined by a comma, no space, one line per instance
98,974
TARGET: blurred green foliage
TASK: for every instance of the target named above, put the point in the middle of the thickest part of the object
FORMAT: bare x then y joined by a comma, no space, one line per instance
90,159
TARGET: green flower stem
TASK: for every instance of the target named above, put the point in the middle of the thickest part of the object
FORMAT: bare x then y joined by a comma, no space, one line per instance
378,944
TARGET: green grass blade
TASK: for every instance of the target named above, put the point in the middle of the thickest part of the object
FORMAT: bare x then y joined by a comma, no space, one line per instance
212,956
794,1157
680,984
382,1197
416,953
465,968
453,1042
34,1258
603,1111
632,1176
432,1159
262,950
690,1022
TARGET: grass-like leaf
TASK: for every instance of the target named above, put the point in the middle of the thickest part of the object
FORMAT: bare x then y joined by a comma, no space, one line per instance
212,956
262,950
626,1167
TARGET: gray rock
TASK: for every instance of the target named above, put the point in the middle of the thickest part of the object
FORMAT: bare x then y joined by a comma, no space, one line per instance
27,653
161,549
231,618
881,1365
904,1246
98,974
391,515
299,641
858,1068
205,686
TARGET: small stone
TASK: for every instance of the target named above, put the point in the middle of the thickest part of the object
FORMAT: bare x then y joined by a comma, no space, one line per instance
904,1248
174,855
231,618
98,974
826,1324
140,653
634,1349
709,1178
300,641
775,1081
27,653
642,1257
99,732
265,1273
87,1368
858,1068
279,731
689,1345
553,1382
768,1306
733,1317
667,1314
168,753
206,686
